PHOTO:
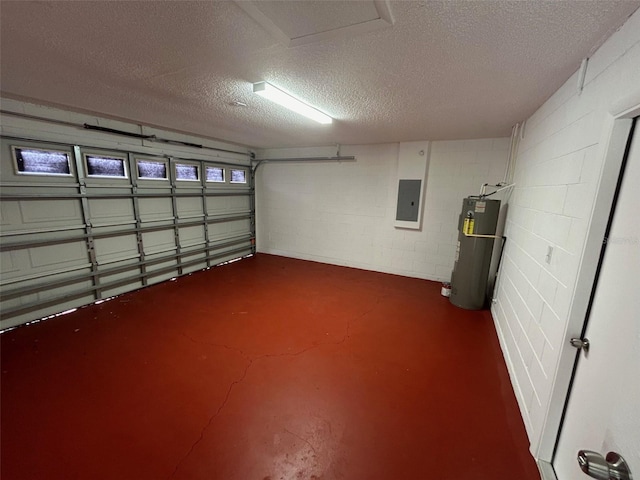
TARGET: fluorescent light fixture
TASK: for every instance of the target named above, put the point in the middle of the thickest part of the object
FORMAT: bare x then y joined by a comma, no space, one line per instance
268,91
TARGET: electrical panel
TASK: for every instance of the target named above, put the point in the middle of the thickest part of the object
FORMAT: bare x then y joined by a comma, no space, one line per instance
408,200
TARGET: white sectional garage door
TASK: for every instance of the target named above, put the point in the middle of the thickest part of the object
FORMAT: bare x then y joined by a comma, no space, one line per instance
80,224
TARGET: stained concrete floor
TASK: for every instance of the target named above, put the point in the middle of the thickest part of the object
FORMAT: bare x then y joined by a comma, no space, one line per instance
268,369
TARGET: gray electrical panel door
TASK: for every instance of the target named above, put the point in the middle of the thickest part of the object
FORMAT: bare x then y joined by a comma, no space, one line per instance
473,255
408,200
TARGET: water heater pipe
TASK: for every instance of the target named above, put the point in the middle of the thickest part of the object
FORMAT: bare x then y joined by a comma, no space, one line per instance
499,186
480,236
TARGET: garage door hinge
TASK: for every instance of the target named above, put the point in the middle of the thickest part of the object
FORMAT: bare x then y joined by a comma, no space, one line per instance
580,343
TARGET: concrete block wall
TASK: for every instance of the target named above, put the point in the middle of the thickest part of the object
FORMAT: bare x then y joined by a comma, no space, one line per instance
557,175
344,213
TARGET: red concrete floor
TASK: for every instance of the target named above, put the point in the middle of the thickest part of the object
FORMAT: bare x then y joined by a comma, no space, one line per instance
265,369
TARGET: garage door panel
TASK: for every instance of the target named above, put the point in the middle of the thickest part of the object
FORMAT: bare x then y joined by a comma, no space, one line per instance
18,265
121,277
216,205
159,279
16,302
154,209
169,259
9,213
159,241
112,249
222,257
228,229
219,252
193,263
45,296
239,203
49,311
112,292
39,213
117,210
68,279
189,207
236,203
8,263
161,271
61,291
191,235
47,258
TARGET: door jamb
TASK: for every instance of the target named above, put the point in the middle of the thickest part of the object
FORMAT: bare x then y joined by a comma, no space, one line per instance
617,129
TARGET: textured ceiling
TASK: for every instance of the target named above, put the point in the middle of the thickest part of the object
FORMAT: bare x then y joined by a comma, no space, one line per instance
297,19
443,70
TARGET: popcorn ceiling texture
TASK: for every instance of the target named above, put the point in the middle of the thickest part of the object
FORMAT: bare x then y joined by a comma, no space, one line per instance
444,70
298,19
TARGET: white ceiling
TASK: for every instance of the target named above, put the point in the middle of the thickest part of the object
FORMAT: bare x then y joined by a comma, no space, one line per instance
413,71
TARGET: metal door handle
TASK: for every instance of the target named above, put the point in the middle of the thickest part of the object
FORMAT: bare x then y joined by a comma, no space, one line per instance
613,467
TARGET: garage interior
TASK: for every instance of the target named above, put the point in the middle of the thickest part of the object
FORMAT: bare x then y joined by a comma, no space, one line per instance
197,283
288,369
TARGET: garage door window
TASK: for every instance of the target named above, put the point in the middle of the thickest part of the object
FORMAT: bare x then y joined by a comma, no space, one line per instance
32,161
238,176
215,174
187,172
112,167
152,170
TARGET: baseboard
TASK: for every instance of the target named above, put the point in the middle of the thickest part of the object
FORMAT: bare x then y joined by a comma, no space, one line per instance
507,359
546,470
359,265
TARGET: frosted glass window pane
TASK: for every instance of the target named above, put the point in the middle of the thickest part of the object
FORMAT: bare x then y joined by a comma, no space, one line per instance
105,167
148,169
215,174
42,161
238,176
186,172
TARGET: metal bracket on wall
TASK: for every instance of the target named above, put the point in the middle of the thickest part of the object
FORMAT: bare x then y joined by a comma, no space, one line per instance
260,161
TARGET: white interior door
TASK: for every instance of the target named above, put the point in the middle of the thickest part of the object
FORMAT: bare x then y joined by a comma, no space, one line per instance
603,412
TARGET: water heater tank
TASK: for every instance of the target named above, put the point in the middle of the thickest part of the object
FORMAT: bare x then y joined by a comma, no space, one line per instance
470,275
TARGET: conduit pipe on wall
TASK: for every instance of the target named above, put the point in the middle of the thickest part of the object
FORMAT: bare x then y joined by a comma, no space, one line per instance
517,134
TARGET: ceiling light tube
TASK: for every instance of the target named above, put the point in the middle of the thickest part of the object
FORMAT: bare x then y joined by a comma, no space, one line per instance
268,91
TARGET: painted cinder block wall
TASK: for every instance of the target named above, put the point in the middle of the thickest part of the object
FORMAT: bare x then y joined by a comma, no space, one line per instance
558,170
344,213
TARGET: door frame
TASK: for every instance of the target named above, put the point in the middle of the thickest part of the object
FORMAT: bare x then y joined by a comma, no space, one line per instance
613,147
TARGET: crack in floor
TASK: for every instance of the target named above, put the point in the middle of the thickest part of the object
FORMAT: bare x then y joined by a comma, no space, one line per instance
251,360
301,438
221,345
212,418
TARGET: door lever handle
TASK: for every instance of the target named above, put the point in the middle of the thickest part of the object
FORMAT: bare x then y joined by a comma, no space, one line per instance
613,467
593,464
